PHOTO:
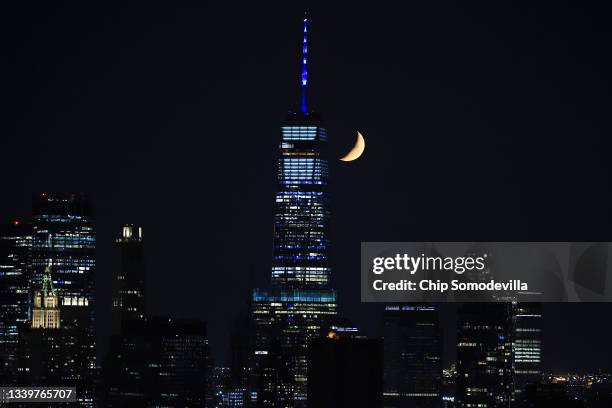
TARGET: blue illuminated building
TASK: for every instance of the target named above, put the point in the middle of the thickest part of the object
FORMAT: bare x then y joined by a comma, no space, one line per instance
301,217
63,235
299,302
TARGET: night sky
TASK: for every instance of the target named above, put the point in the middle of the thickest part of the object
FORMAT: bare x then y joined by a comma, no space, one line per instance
483,122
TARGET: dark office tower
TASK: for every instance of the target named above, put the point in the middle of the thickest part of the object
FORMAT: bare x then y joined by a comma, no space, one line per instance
345,372
413,350
161,362
239,349
15,241
290,314
527,347
63,236
128,282
484,355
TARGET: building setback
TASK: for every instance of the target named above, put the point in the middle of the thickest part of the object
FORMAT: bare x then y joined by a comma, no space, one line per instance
45,348
292,312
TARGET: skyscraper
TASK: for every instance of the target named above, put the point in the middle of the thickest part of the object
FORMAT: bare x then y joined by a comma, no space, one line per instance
63,236
46,349
46,311
526,347
291,313
15,241
413,356
484,355
158,362
129,279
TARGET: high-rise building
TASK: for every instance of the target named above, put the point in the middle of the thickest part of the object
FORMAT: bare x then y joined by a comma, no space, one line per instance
153,362
234,397
413,356
484,355
129,279
46,311
292,312
159,362
15,241
449,382
63,235
284,323
526,347
45,347
345,371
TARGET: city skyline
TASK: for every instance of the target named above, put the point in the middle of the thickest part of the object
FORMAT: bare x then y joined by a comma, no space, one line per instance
176,204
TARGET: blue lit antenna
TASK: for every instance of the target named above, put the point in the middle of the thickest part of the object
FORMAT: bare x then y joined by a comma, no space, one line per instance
305,65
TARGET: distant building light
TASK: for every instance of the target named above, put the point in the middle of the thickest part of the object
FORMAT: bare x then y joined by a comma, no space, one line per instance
332,335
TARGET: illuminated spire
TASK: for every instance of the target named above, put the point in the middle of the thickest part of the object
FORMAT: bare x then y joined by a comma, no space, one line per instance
304,85
45,310
47,284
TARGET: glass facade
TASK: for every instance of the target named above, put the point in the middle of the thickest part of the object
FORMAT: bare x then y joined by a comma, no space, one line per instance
527,347
63,236
294,311
301,219
413,356
300,301
484,355
15,242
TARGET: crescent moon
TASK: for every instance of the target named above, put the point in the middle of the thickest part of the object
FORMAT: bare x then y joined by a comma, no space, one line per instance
356,151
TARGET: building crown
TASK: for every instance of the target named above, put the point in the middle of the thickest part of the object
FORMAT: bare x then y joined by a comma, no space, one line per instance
47,282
